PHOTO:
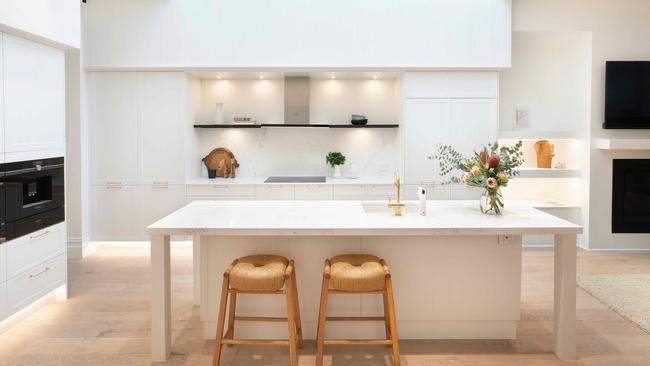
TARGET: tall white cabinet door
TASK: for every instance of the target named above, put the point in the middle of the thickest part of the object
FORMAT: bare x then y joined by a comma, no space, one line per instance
34,96
427,122
161,158
473,124
116,213
114,127
3,300
158,202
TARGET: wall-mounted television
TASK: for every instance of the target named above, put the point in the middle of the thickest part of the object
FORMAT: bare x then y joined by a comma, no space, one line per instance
627,95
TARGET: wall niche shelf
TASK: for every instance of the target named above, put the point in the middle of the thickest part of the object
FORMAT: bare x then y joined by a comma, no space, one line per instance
622,144
527,172
277,125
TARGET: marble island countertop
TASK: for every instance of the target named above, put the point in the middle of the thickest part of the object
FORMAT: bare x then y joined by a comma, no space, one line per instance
260,180
340,218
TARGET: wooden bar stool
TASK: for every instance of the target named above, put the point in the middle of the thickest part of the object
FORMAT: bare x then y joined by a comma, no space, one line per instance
357,274
259,274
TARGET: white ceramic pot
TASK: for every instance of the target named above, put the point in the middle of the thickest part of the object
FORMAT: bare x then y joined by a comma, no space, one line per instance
337,171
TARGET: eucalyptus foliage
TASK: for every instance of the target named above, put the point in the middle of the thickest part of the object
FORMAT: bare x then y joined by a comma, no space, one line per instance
489,168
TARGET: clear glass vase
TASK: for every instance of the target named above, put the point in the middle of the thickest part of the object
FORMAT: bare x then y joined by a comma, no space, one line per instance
491,202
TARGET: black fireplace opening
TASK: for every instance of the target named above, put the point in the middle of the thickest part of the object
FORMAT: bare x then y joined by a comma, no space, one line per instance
631,196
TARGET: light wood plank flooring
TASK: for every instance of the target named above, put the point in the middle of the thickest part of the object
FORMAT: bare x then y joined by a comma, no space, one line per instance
106,322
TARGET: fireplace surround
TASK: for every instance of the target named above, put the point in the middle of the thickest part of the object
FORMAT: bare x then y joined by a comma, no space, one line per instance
631,196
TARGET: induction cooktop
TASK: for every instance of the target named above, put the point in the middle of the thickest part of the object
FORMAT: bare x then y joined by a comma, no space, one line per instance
295,179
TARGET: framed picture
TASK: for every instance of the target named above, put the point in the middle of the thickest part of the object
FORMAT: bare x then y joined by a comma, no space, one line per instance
522,119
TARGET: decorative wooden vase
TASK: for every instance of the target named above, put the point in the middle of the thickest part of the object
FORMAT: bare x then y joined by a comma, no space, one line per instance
220,162
544,150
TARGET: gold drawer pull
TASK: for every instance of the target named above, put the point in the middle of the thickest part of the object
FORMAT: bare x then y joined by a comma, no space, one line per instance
114,183
39,235
219,187
39,273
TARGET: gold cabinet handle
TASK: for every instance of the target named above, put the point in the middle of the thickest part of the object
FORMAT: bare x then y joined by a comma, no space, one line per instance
39,235
39,273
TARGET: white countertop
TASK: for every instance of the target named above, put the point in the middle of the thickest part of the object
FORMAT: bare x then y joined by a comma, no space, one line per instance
260,180
322,218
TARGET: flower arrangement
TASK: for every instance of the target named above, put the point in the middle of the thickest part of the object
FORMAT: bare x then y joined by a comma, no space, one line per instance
490,169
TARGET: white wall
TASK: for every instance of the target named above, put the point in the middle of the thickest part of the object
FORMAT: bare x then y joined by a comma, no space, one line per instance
282,151
550,77
301,151
295,33
56,22
620,31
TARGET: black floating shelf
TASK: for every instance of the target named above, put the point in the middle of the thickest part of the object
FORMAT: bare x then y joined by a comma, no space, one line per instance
365,126
227,126
311,125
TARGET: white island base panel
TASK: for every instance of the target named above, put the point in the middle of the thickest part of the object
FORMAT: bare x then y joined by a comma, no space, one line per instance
446,287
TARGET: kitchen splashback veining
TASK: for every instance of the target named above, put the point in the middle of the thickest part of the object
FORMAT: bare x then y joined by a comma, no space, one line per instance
266,152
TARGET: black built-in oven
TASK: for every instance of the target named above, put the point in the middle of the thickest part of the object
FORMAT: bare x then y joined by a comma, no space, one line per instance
34,195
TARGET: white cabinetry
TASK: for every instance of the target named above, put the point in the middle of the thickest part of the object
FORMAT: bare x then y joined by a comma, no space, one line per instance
427,122
3,262
137,142
29,250
453,108
474,123
115,212
275,192
34,98
3,300
33,284
158,202
114,127
161,133
364,192
312,192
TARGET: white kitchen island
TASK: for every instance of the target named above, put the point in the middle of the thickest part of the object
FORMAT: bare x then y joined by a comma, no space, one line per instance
456,272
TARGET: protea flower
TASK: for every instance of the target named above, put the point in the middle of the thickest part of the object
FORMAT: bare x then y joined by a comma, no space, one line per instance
493,161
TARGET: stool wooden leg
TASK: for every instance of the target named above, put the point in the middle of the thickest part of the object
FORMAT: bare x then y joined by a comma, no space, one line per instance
386,316
231,316
216,356
392,320
322,315
291,322
296,308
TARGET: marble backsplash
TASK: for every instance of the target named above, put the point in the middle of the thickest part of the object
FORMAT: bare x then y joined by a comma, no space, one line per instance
301,151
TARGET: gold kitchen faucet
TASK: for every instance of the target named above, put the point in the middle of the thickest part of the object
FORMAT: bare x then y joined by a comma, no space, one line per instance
398,205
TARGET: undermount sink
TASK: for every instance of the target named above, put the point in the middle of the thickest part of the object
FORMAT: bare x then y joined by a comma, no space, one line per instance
382,208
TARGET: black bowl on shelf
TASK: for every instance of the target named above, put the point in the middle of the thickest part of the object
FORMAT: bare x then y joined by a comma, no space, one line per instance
359,122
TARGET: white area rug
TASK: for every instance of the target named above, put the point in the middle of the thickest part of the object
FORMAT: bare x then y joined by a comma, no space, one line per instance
626,294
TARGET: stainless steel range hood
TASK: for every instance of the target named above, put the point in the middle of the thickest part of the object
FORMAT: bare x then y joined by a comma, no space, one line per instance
296,100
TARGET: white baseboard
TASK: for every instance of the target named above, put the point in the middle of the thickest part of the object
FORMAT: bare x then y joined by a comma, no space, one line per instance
78,249
626,250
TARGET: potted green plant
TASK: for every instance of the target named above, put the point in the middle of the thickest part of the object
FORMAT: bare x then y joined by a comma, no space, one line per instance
335,159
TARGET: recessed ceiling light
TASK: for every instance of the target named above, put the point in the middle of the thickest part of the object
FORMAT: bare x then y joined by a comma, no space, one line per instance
261,77
332,77
219,77
374,77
